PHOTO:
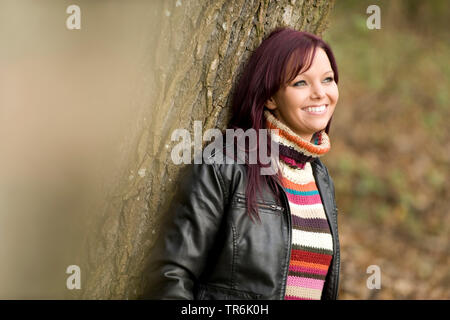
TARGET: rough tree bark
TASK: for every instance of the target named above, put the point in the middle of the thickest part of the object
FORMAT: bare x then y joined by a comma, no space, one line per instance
201,48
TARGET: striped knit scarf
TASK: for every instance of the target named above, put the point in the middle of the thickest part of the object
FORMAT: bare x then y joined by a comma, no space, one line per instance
312,244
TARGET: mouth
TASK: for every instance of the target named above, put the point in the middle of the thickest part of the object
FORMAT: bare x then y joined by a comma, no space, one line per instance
316,109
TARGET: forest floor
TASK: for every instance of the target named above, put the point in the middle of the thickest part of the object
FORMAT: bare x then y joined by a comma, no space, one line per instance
410,269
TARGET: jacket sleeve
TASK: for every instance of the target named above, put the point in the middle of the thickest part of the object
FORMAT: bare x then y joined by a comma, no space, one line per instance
187,235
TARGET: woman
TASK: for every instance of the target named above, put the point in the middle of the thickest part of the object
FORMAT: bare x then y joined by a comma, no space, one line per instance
236,234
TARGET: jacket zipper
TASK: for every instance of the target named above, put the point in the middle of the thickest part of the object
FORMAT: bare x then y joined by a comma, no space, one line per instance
268,206
289,230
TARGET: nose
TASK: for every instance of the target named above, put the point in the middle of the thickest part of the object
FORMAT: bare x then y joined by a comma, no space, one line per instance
317,91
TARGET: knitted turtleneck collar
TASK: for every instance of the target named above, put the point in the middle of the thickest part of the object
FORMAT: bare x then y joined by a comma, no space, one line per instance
294,150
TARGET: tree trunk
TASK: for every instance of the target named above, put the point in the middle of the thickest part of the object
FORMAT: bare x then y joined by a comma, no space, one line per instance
199,52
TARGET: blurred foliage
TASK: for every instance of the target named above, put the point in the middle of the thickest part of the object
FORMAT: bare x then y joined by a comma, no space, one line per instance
390,150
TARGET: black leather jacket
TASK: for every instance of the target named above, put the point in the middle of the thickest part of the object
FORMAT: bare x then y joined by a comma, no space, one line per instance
208,248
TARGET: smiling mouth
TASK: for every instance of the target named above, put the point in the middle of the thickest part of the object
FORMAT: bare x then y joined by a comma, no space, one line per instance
318,109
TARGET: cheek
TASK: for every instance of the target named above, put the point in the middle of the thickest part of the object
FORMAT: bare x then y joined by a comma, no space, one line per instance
334,94
288,105
332,110
297,100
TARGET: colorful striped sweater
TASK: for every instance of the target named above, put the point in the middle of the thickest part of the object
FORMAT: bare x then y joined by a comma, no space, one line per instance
312,243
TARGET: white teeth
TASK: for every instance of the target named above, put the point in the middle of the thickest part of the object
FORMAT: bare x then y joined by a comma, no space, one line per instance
316,109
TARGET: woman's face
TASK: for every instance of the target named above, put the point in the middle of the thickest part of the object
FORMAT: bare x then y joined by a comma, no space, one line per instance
300,104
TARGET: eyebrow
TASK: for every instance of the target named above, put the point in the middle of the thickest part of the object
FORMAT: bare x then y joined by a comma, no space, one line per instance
322,74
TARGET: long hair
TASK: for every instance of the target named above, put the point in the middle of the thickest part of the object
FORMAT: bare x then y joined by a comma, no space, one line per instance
281,56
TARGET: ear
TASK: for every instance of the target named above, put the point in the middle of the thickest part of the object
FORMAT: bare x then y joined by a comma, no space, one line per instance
270,104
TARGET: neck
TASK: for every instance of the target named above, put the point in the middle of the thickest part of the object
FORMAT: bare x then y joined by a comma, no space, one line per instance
295,149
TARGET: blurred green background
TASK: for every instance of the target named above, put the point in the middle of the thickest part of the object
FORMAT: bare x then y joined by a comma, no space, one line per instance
390,147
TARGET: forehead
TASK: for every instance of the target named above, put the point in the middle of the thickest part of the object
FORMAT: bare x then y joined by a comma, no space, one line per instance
320,63
311,65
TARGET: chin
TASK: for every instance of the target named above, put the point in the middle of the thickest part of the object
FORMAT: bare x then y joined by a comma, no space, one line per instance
320,127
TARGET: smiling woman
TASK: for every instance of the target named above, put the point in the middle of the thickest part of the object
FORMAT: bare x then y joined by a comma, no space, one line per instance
236,234
307,103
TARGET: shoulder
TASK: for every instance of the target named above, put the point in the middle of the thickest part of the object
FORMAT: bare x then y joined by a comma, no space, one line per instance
321,169
224,157
214,171
318,165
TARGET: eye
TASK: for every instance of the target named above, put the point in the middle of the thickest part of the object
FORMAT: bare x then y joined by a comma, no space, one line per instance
299,82
303,82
